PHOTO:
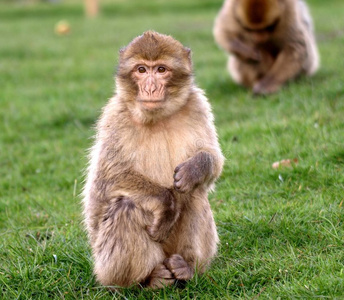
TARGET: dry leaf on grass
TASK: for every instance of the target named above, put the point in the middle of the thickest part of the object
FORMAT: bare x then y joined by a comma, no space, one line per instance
285,163
62,27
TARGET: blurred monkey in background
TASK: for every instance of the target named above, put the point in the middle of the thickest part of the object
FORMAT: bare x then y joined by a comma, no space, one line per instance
269,42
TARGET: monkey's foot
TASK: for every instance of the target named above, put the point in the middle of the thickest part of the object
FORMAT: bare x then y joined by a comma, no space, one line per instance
160,277
179,267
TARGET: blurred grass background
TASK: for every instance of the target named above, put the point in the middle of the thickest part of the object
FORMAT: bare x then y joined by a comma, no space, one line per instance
281,230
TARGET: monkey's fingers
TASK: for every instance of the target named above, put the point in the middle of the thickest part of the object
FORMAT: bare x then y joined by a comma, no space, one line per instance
177,168
183,183
182,186
162,271
177,176
177,171
177,186
160,277
265,87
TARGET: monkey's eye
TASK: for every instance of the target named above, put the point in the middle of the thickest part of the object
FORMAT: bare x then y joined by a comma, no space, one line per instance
141,69
161,70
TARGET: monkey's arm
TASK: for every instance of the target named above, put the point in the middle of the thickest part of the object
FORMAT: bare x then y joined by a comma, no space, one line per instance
243,51
152,198
288,65
203,168
231,42
134,182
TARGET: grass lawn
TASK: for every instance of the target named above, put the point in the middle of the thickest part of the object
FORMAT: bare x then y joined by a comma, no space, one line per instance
281,231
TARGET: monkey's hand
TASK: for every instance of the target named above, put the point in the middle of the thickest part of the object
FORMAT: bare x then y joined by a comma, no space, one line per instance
193,172
287,65
165,213
266,86
244,51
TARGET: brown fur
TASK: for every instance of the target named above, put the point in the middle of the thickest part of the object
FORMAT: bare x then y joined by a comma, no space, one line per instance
145,198
257,14
269,42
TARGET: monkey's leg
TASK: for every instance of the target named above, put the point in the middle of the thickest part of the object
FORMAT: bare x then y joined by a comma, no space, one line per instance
242,73
313,59
124,253
248,73
193,241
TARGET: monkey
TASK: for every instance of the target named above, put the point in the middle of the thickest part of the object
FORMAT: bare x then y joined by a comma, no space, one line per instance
269,42
154,160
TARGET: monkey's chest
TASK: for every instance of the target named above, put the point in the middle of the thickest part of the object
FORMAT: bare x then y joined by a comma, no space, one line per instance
157,156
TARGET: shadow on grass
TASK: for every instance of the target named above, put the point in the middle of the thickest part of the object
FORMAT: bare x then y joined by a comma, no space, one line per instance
336,158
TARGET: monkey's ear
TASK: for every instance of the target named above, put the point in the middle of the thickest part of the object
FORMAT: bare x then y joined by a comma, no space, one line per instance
187,52
121,51
187,55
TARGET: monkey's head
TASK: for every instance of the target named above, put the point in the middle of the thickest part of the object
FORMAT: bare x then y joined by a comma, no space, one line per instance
154,75
259,18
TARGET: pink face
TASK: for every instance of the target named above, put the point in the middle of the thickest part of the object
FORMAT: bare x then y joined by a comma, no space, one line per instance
151,78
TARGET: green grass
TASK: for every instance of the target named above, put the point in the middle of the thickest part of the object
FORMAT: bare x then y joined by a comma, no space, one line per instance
281,230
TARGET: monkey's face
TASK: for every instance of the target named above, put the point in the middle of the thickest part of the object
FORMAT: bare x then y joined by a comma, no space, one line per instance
154,76
151,78
261,34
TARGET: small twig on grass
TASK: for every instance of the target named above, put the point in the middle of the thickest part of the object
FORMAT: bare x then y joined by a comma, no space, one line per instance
69,270
261,291
212,280
273,217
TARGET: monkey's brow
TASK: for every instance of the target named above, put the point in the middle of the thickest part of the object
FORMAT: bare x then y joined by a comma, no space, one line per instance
162,58
153,63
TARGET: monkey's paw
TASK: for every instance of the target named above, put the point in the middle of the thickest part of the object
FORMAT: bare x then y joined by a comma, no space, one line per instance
265,87
186,177
179,267
160,277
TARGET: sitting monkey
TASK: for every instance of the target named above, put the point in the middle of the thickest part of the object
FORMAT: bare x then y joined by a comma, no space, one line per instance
155,158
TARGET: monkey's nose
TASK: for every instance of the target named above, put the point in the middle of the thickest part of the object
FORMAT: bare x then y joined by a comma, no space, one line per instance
153,88
150,87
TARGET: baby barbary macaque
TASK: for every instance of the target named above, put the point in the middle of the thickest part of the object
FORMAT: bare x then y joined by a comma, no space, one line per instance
155,158
269,42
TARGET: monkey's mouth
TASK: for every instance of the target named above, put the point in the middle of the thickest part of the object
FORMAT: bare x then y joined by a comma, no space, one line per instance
151,104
